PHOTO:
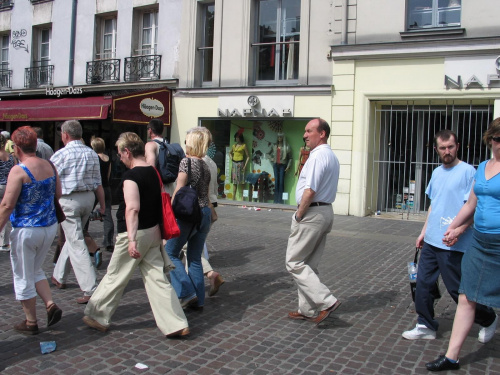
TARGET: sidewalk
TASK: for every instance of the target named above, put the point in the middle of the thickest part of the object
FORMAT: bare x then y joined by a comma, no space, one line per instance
244,329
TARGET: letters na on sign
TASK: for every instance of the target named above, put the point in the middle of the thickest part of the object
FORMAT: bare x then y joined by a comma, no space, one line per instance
492,80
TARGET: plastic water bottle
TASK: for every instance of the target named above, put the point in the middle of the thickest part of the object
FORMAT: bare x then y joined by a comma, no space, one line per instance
412,271
412,274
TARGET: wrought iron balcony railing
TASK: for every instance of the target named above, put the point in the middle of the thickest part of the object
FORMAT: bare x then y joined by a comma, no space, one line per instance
99,71
5,75
38,76
142,68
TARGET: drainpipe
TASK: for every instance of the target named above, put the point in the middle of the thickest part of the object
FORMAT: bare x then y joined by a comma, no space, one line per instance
72,43
344,20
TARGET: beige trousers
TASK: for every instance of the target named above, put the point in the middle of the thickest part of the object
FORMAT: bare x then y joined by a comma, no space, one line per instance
77,208
303,256
166,307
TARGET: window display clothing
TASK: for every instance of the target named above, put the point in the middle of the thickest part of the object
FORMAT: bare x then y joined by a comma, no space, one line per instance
238,153
304,155
281,157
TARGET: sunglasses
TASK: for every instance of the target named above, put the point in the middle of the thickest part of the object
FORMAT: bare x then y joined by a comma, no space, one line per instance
496,139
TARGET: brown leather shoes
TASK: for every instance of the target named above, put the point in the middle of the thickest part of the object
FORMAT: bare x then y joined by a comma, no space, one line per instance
323,314
181,333
27,328
298,316
215,283
58,284
83,300
92,323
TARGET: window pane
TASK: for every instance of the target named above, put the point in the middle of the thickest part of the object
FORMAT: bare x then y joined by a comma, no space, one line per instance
108,26
208,36
207,42
449,12
290,15
5,51
420,13
268,17
207,64
45,36
146,20
279,22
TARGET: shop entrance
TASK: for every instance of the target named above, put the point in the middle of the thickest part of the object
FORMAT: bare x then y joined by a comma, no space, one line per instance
403,149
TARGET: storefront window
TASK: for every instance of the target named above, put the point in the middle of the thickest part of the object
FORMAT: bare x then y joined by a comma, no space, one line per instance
274,148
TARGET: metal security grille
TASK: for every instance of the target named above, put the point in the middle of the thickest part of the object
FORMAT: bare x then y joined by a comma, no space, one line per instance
403,149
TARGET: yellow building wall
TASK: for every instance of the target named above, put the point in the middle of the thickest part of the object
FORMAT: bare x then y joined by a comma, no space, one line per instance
355,85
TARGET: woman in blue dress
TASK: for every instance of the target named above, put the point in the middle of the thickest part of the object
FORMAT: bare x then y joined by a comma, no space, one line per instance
29,200
480,281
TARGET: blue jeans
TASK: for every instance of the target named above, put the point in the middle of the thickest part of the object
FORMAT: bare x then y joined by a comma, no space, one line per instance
191,283
279,182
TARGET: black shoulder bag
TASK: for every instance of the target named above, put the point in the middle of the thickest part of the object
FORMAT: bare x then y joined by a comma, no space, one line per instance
185,205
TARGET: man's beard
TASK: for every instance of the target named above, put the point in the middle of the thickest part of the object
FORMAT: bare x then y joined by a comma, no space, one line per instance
449,159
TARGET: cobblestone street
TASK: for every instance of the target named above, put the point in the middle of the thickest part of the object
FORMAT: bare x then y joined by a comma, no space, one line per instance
244,328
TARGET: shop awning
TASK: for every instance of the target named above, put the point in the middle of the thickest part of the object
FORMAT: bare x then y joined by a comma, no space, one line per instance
141,107
91,108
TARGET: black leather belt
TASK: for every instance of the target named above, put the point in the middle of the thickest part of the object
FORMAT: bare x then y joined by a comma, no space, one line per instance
318,204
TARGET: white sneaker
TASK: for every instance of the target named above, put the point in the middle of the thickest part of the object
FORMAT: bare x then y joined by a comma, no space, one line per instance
420,332
5,248
487,333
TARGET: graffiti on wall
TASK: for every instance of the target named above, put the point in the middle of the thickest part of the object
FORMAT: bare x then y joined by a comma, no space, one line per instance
18,41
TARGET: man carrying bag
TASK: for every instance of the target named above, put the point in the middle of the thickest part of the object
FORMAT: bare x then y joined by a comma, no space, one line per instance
448,190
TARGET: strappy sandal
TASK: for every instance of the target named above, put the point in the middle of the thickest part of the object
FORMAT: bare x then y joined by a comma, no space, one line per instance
54,314
27,327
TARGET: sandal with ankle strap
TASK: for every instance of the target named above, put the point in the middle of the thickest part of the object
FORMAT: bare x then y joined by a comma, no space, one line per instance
27,328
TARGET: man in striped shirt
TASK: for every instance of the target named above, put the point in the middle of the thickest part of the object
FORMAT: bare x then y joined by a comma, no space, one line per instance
78,169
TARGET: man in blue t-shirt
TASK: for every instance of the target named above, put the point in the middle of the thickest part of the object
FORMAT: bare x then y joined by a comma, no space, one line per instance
448,190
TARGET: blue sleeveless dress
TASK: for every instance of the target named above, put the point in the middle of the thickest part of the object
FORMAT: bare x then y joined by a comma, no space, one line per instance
35,205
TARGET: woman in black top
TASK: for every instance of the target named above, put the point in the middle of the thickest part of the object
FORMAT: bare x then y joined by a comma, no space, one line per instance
138,244
99,147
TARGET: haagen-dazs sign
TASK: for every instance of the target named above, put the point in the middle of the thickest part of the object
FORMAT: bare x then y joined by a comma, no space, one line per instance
140,107
152,108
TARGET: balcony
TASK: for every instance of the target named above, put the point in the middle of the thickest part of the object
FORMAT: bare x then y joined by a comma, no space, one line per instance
39,76
5,75
6,4
142,68
101,71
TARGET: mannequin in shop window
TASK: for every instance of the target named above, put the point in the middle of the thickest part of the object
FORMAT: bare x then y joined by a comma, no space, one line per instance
303,156
239,155
281,158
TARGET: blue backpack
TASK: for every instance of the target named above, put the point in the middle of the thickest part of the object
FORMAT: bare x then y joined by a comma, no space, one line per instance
168,160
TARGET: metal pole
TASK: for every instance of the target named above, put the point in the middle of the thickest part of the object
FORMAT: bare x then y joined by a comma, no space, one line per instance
72,43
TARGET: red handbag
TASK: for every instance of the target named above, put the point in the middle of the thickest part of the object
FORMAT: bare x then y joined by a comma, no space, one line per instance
168,226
